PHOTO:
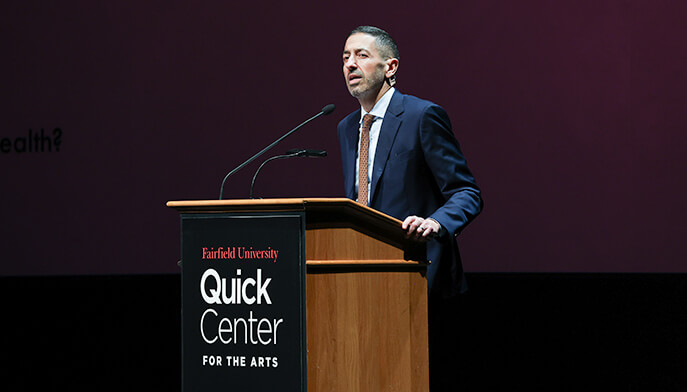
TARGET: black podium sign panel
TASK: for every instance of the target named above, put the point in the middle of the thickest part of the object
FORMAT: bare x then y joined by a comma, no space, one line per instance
243,302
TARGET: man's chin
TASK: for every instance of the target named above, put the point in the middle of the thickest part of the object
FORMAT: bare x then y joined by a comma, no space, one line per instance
358,92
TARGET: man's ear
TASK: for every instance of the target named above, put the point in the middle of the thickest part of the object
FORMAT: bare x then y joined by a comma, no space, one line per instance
391,67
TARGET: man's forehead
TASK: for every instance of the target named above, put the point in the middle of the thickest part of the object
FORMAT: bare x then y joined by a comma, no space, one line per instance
360,41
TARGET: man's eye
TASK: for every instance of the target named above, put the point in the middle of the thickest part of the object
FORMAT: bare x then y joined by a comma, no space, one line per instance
362,55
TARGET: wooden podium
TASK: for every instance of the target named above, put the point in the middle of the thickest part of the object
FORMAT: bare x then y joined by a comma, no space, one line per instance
365,293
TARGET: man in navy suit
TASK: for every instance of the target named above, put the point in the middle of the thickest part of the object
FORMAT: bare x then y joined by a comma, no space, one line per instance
416,172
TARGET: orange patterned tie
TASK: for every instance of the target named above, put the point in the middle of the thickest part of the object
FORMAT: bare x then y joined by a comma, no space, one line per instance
368,119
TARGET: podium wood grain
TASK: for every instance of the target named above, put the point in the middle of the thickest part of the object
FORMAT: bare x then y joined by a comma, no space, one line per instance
367,330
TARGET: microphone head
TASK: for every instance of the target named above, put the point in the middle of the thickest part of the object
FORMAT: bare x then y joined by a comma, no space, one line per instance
328,109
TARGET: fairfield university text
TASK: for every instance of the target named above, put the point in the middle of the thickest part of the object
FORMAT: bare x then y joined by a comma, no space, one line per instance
239,252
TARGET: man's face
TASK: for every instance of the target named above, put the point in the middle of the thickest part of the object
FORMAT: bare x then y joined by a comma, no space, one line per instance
363,67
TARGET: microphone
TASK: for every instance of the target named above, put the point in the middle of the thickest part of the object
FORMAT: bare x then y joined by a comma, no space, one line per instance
325,111
296,152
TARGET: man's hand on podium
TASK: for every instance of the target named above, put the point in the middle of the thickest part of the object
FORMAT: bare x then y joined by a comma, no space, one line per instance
421,228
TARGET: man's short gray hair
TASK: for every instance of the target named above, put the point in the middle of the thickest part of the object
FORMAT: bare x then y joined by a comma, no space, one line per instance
385,44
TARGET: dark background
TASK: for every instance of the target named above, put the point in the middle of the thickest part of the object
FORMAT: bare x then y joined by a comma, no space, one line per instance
571,115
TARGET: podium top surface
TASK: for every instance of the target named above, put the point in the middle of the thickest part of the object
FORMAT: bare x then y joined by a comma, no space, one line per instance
263,203
318,211
309,205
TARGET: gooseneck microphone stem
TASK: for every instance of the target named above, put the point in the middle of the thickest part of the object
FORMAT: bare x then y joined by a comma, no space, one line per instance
296,152
252,184
325,111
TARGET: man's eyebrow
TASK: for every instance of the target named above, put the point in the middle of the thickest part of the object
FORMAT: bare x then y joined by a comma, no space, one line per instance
356,50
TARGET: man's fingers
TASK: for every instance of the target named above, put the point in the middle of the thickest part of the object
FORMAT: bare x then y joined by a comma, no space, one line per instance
425,227
417,226
411,223
420,228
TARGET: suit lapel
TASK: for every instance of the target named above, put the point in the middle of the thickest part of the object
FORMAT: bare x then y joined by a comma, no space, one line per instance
390,126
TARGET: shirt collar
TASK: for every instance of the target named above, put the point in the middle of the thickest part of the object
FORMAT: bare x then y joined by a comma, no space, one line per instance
380,107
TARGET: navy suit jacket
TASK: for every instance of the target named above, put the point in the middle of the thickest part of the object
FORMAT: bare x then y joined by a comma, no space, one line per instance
420,170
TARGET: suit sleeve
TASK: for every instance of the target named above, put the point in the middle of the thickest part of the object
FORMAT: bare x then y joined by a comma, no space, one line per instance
463,200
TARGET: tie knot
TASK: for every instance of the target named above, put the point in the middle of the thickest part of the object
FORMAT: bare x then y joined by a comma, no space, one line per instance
368,119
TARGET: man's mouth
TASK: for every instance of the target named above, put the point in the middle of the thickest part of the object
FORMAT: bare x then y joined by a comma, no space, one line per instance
353,78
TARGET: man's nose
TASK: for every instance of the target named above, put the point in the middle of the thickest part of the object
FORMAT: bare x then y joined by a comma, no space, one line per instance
350,63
